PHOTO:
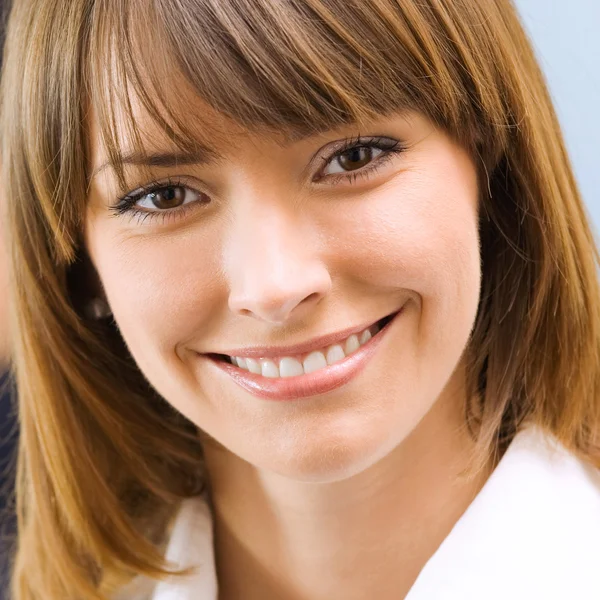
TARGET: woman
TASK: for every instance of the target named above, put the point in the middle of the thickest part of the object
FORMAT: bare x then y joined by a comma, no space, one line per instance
305,306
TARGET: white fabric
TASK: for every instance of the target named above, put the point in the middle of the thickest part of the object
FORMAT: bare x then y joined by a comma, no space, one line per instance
191,544
532,533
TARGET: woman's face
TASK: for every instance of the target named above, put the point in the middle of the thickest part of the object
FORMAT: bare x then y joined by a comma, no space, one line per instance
259,244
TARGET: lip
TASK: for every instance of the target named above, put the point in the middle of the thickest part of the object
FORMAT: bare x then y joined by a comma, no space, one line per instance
311,384
304,348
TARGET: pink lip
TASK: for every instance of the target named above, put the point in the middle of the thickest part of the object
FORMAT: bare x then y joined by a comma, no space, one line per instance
311,384
295,350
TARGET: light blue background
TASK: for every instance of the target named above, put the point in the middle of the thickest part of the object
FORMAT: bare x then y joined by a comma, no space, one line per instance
566,35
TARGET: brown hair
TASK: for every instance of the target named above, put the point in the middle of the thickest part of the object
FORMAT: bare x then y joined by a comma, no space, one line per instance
103,461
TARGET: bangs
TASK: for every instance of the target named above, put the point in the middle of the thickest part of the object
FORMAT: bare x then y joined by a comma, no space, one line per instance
289,67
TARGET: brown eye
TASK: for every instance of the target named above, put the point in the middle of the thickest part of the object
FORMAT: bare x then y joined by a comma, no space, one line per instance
355,158
166,198
169,197
352,159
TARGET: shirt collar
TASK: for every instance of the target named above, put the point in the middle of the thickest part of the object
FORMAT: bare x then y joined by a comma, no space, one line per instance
532,532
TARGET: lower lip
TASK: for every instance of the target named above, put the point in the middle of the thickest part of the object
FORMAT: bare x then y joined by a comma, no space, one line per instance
311,384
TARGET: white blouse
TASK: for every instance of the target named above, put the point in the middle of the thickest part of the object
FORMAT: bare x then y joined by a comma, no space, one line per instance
532,533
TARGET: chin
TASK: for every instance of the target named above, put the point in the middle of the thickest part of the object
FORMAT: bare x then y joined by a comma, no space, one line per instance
326,457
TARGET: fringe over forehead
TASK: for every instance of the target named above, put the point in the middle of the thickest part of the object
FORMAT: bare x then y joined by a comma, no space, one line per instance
292,67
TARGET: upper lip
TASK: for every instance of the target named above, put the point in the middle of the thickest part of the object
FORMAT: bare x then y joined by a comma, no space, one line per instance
303,348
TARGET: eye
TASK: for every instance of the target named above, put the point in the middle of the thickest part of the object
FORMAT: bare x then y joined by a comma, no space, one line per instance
358,158
167,197
352,159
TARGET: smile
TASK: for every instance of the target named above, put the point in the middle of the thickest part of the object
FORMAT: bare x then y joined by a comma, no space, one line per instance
317,372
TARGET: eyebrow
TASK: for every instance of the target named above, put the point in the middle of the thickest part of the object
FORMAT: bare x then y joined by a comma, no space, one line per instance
201,156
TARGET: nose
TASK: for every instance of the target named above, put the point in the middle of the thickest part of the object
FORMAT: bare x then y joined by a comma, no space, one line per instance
275,272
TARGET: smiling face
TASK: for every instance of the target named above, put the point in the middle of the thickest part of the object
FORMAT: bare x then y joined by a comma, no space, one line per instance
266,243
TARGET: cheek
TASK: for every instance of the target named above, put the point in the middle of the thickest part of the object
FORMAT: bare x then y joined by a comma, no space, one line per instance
420,233
161,291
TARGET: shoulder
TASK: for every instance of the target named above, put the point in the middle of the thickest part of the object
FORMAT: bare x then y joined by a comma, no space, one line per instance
532,532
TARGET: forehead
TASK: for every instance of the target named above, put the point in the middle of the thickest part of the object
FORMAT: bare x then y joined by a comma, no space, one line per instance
217,72
138,138
182,124
129,127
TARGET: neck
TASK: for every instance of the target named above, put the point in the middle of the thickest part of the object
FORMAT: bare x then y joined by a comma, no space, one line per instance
368,536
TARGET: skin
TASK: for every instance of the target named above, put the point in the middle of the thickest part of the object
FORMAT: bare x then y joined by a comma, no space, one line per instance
362,480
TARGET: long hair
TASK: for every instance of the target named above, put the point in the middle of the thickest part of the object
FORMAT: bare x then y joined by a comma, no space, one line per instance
104,461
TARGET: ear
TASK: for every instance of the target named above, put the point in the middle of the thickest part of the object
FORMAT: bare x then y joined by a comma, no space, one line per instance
85,288
97,309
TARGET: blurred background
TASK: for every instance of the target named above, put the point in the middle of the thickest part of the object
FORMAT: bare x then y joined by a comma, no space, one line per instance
565,35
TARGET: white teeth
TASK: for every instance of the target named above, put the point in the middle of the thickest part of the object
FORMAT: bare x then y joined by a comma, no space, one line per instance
269,369
365,337
334,354
314,361
352,345
253,366
290,367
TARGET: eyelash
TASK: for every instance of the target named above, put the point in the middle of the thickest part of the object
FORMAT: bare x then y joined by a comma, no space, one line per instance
390,147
